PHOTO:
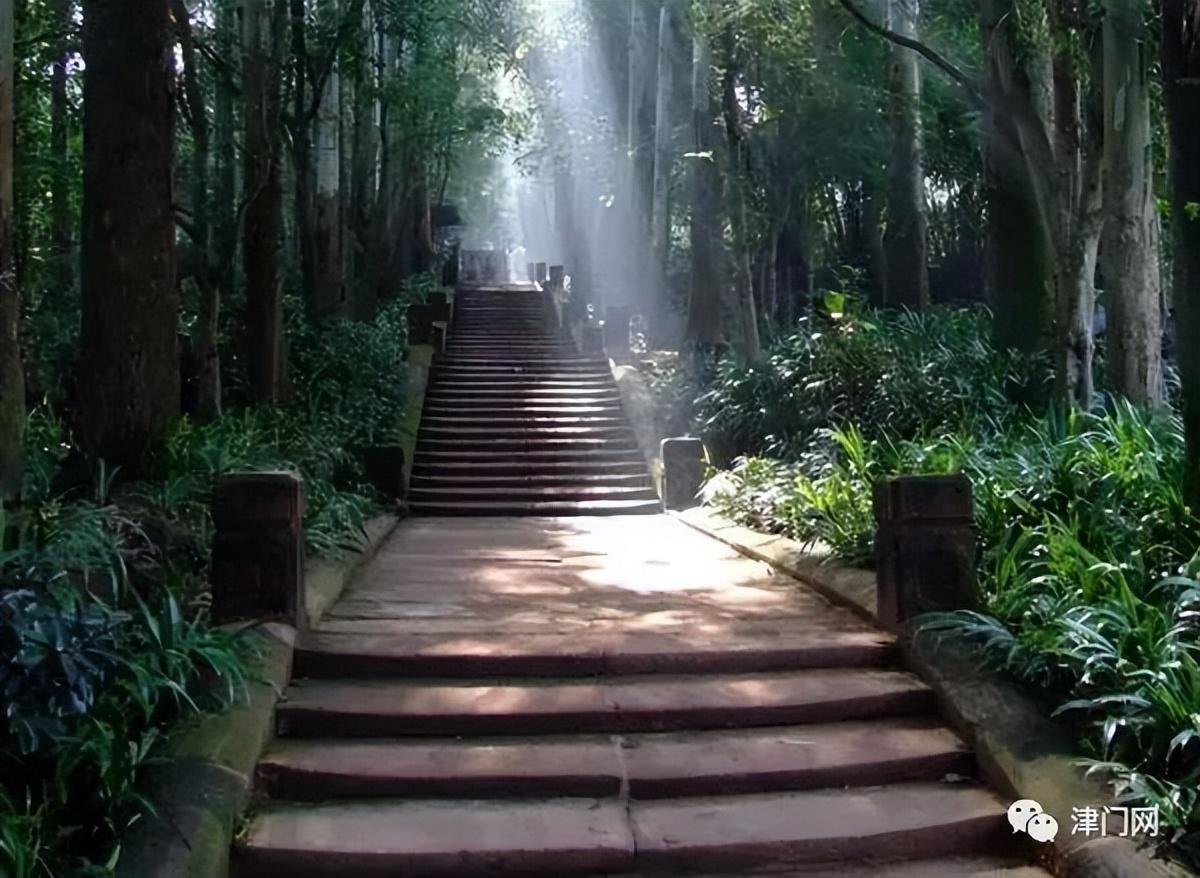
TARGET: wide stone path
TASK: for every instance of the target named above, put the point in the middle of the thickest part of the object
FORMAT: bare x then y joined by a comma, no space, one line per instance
597,696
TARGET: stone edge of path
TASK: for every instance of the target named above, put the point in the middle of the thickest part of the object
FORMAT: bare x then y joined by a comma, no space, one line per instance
1021,751
202,783
325,580
419,363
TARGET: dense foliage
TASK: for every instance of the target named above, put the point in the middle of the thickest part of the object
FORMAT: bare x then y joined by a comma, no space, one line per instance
1089,553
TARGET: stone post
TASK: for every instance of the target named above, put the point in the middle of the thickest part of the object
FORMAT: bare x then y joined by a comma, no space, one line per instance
616,332
258,549
531,272
558,278
542,275
924,546
683,472
420,323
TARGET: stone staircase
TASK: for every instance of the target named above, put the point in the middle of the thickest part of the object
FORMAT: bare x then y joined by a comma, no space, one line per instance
516,422
607,696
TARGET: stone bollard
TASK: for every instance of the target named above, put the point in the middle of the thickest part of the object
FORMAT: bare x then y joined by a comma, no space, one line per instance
542,276
420,323
258,549
682,473
384,468
616,332
924,546
558,278
531,272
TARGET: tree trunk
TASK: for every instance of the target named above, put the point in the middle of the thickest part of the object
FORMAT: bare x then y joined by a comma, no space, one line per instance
363,180
704,298
61,225
225,232
1076,230
130,358
1133,355
262,46
1181,93
660,206
12,375
907,276
207,377
735,183
301,136
1017,258
328,294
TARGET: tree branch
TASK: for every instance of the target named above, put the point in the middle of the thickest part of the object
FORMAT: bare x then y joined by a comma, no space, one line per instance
968,81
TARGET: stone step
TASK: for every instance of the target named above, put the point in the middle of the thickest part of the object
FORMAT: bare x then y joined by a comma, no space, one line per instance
465,401
943,867
545,509
475,419
373,708
531,494
570,362
527,434
522,411
513,382
520,367
434,457
510,468
359,653
521,392
654,766
436,479
566,837
532,444
880,824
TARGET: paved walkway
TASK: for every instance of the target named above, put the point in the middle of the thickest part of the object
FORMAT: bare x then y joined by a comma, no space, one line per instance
590,696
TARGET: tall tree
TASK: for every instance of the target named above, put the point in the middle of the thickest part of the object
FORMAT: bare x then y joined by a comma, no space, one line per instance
1018,279
1181,93
328,291
1129,247
224,197
61,222
263,35
130,364
204,353
906,279
736,181
704,299
660,206
12,376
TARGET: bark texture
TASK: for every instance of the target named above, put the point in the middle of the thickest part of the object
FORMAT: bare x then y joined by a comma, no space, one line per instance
262,46
1181,94
905,245
206,365
704,296
1129,251
129,383
12,376
1017,263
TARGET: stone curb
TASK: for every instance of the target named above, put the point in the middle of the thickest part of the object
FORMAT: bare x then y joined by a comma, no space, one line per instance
324,581
203,780
1021,751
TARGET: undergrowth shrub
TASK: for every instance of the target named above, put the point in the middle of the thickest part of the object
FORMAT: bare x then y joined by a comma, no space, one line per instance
1090,559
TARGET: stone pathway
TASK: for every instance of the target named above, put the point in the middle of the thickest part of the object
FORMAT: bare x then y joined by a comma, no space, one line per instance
516,422
587,696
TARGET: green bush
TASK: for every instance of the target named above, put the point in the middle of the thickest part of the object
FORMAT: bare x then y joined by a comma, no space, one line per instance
1090,561
899,375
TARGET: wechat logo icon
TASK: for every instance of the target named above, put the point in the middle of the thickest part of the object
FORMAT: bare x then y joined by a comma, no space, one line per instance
1026,815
